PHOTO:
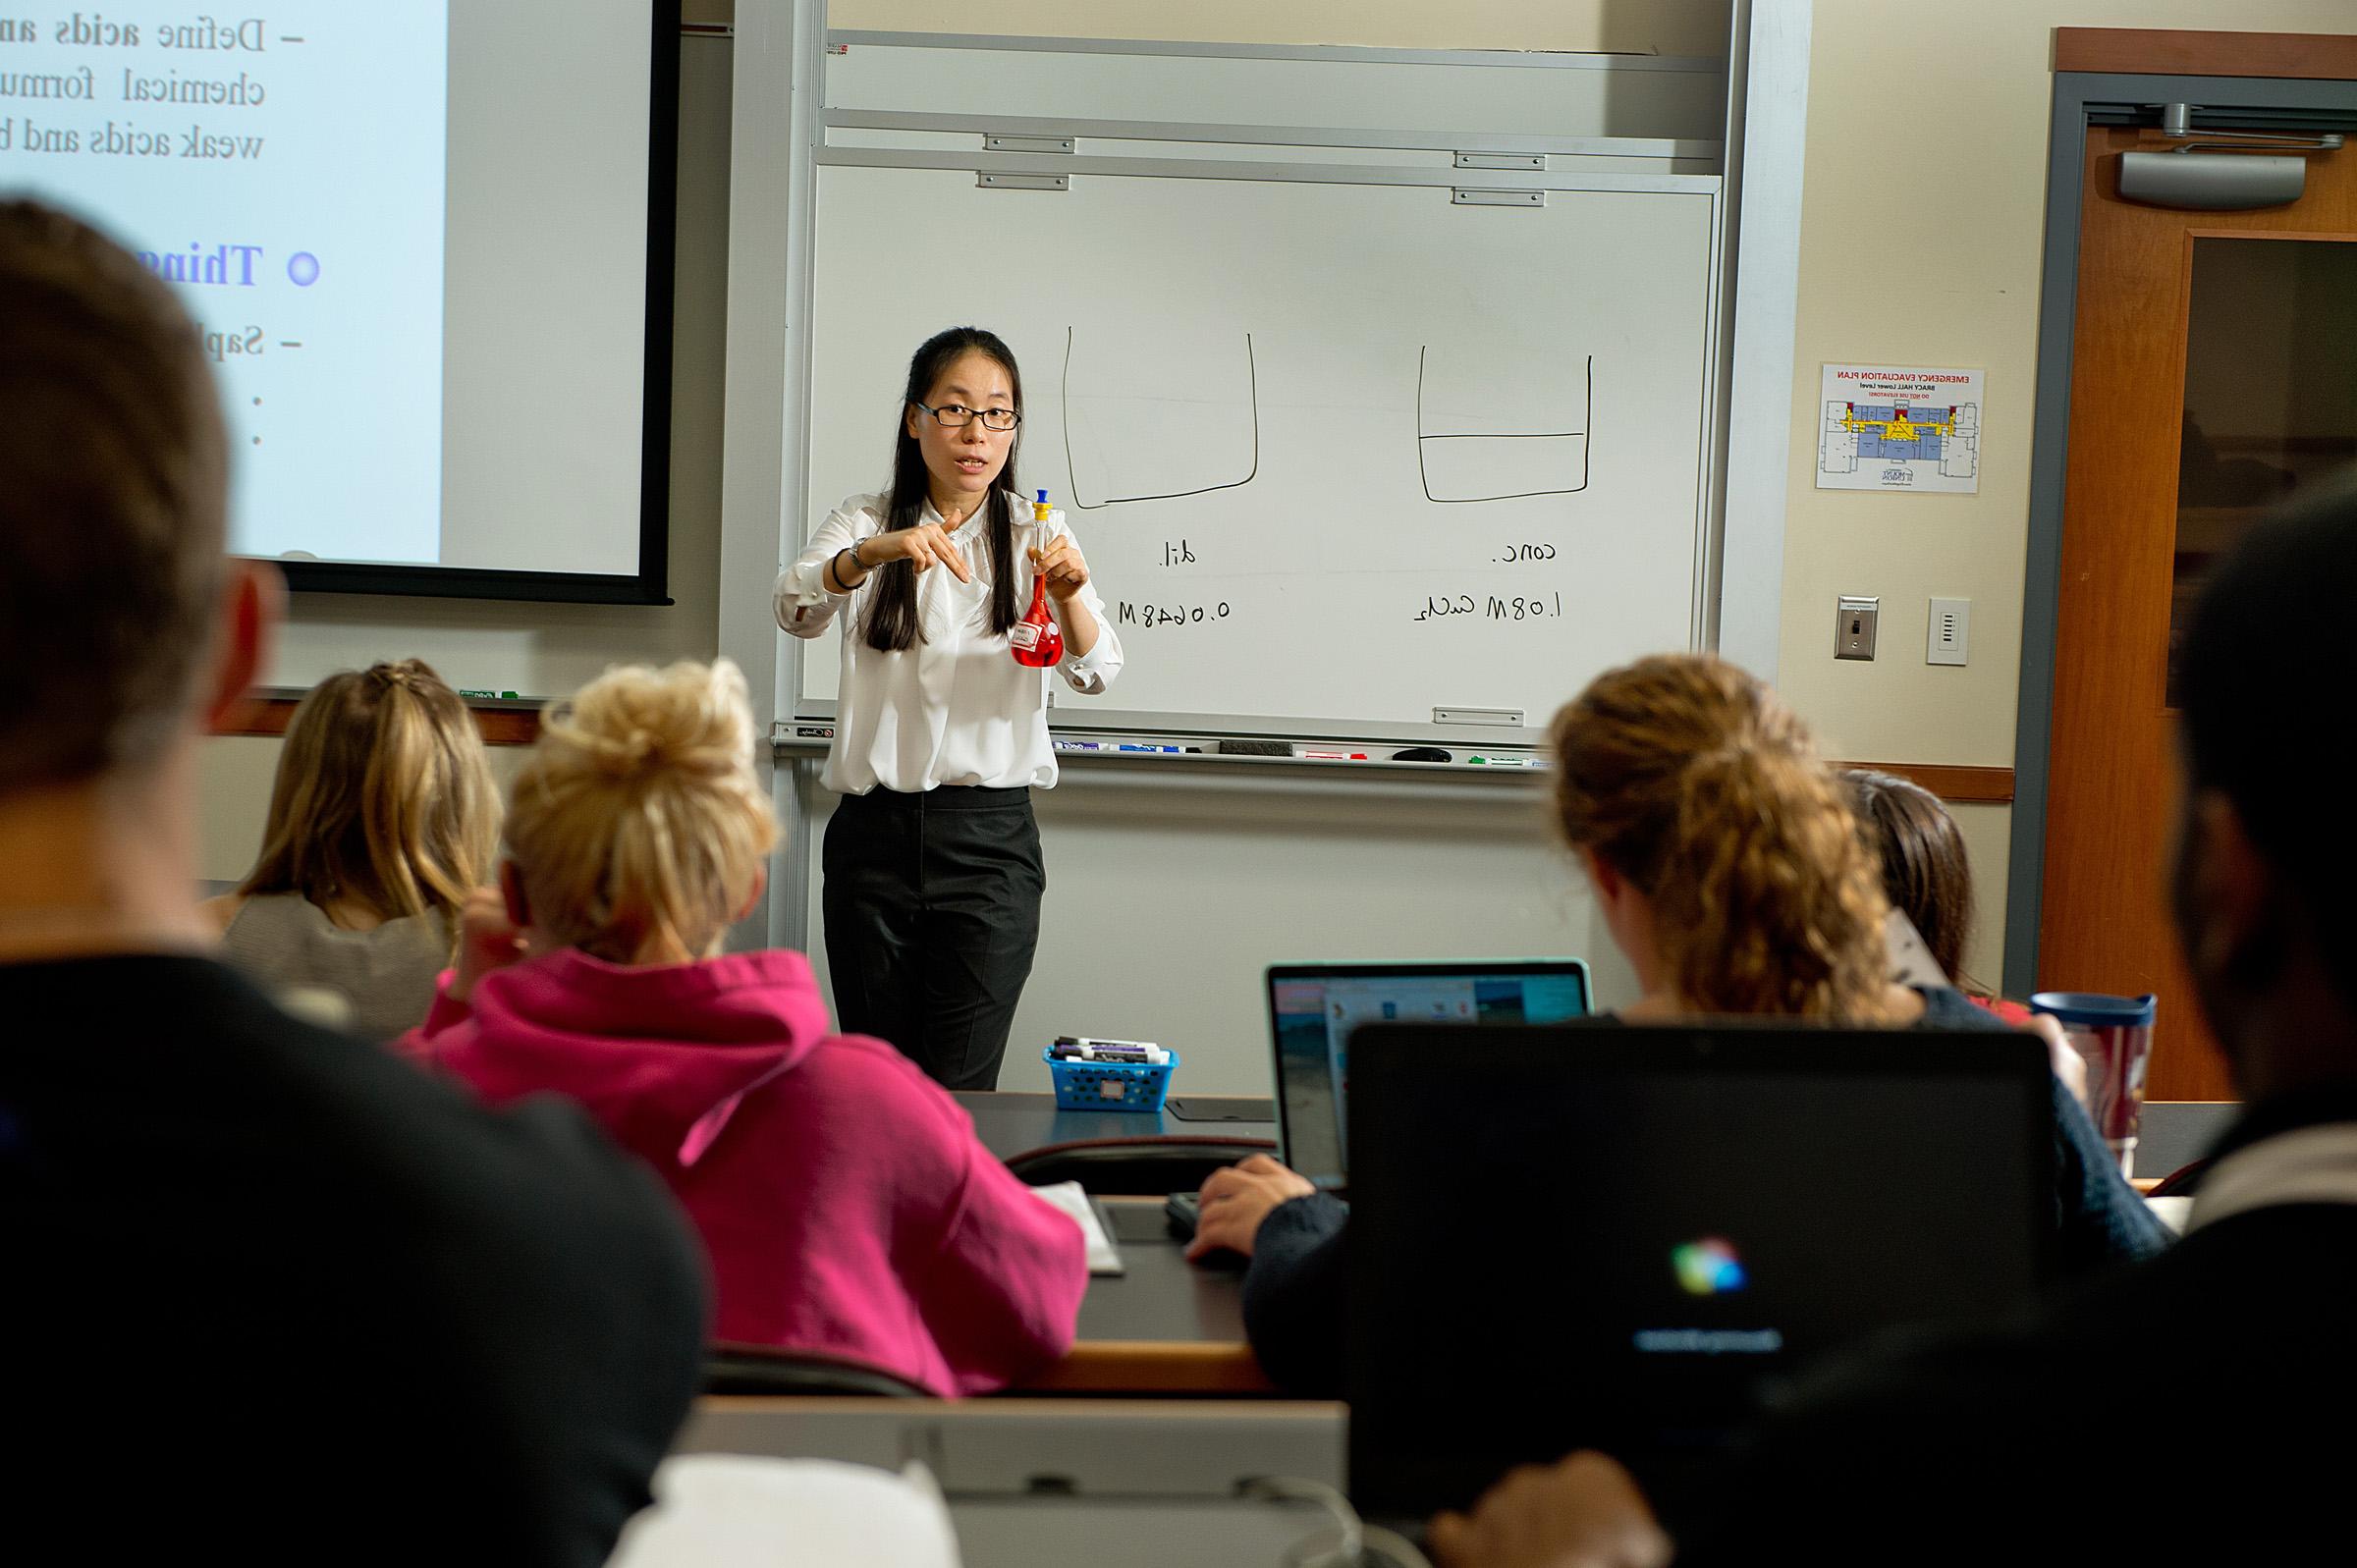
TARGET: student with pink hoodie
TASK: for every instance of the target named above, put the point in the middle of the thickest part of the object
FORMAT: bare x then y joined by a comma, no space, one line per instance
846,1205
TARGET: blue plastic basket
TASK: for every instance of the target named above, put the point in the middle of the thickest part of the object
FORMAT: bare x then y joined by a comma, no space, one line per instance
1108,1085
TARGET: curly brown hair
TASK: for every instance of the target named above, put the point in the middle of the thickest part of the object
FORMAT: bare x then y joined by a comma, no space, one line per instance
1693,780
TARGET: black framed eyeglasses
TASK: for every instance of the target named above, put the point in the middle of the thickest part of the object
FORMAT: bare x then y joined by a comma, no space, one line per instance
956,417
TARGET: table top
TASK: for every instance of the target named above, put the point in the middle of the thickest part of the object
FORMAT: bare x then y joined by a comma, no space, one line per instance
1011,1124
1166,1326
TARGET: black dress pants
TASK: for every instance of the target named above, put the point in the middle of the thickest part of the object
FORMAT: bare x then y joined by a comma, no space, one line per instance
932,911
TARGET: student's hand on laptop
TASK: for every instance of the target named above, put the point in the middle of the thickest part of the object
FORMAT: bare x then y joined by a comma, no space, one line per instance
1237,1200
1585,1512
488,941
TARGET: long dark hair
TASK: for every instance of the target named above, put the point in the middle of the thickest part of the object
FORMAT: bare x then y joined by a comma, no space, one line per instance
892,619
1925,872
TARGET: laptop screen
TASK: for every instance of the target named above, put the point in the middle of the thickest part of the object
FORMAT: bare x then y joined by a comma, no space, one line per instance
1610,1237
1314,1008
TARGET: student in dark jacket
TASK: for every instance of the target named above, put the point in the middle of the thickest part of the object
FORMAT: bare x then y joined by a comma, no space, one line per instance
1731,875
268,1290
2031,1443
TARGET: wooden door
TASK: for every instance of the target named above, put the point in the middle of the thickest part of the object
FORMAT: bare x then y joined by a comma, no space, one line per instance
2211,377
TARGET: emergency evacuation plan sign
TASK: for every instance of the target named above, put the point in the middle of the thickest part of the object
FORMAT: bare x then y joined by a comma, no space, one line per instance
1899,427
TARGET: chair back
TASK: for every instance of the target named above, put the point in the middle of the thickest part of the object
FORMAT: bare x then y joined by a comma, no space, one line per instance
741,1368
1146,1166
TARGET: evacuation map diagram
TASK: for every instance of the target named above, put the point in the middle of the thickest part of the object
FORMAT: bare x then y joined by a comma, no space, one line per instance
1890,428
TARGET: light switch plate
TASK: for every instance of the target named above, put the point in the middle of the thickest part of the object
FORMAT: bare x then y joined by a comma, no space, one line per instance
1950,634
1854,625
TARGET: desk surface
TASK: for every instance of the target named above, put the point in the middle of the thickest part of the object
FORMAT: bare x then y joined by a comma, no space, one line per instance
1011,1124
1164,1327
1167,1326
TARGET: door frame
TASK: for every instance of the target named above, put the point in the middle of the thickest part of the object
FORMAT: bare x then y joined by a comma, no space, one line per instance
2079,95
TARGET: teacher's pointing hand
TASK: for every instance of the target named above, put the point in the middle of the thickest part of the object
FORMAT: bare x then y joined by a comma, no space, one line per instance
1061,564
924,546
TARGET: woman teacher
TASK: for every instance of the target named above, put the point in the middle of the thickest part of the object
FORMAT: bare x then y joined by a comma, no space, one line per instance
932,863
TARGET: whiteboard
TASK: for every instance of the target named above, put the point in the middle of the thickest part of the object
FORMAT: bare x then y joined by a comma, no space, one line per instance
1338,455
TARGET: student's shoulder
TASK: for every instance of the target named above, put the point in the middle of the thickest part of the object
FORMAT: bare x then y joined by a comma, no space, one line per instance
1946,1007
222,912
863,511
2217,1299
388,1134
877,1066
886,1082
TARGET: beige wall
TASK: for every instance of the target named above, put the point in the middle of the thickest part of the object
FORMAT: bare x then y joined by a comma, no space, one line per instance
1967,229
1622,27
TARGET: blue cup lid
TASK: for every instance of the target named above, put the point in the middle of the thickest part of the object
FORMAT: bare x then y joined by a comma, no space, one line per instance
2097,1010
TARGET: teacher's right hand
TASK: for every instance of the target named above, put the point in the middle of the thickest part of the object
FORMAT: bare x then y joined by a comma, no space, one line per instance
925,546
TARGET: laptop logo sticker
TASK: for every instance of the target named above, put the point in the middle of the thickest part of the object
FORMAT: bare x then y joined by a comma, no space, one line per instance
1707,1267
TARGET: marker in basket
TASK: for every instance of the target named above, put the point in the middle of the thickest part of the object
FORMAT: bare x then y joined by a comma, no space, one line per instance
1113,1056
1132,1052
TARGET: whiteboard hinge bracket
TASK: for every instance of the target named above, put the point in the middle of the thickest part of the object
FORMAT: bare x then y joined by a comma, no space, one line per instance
1023,181
994,142
1464,196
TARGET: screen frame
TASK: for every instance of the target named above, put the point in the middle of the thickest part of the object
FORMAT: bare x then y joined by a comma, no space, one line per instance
650,584
1389,1483
1421,969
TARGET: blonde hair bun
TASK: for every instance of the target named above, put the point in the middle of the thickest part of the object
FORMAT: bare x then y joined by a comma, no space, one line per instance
638,824
632,721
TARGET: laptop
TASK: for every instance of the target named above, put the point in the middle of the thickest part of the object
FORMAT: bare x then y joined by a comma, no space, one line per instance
1313,1007
1617,1237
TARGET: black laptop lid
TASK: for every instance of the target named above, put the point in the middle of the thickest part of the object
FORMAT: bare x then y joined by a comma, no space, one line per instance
1605,1236
1314,1008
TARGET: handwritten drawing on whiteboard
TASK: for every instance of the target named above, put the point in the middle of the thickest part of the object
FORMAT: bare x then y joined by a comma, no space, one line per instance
1489,465
1889,427
1175,434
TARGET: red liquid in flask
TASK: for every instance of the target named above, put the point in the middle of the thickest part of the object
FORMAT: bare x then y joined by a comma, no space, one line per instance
1036,641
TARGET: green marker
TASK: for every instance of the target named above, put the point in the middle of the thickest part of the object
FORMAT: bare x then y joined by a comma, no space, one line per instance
495,696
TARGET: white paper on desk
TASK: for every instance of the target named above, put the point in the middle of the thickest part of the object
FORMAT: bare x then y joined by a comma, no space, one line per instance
1066,1197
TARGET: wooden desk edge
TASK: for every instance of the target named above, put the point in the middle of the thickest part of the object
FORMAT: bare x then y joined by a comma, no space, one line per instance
1154,1366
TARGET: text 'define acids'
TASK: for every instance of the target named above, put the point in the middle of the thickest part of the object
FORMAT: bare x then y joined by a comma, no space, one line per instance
93,31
